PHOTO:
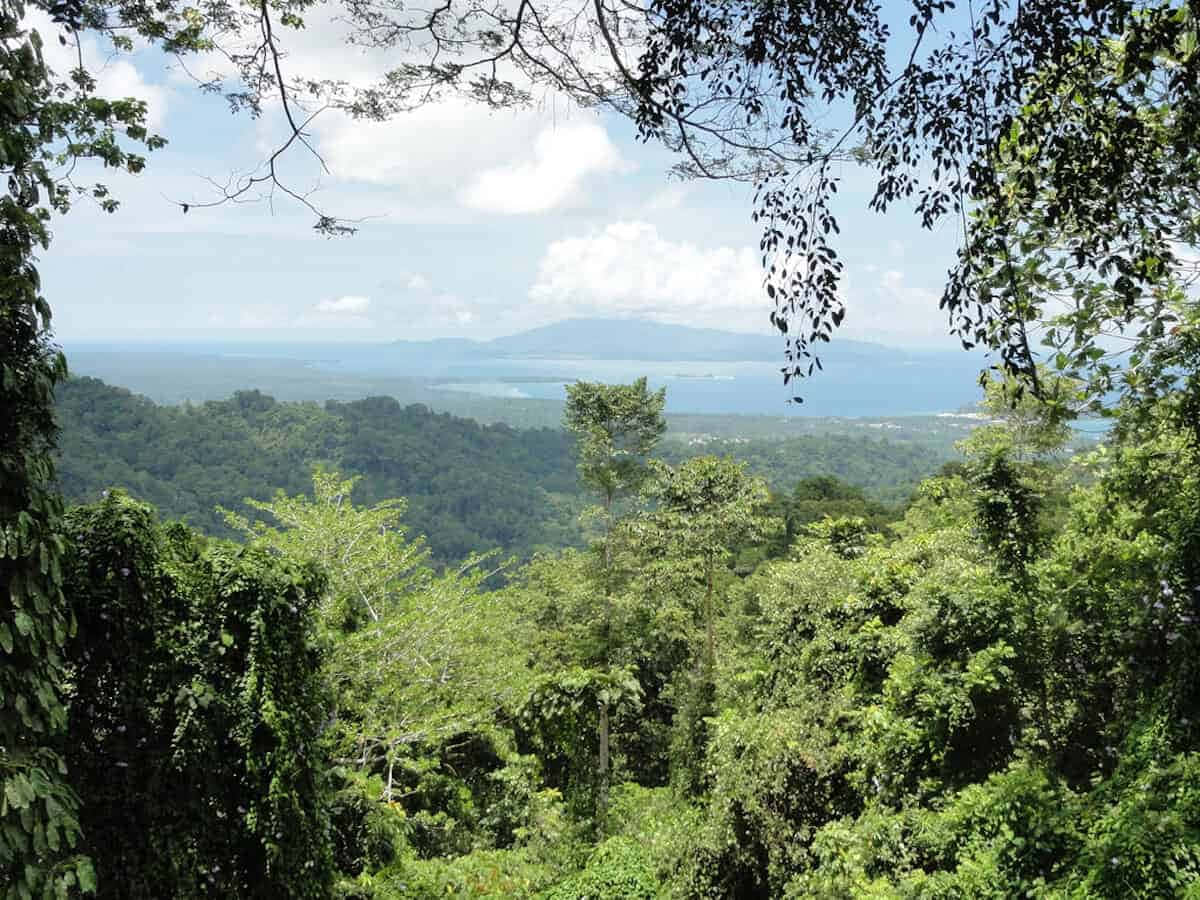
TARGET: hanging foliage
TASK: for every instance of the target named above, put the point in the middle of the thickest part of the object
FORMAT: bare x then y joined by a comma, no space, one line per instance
196,712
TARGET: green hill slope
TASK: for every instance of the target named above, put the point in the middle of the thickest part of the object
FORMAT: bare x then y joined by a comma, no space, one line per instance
470,487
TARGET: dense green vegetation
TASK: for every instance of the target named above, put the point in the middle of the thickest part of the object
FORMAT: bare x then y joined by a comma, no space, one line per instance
996,697
722,694
885,470
196,674
717,694
469,487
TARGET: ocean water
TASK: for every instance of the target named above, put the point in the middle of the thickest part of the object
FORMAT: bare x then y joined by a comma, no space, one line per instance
910,387
876,382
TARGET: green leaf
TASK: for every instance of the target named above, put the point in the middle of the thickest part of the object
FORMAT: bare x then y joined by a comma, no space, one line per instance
23,622
86,875
18,791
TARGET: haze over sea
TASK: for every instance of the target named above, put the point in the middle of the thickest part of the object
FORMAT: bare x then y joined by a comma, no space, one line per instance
704,371
704,386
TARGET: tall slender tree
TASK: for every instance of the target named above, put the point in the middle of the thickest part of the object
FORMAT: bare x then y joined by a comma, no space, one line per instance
616,427
706,506
703,508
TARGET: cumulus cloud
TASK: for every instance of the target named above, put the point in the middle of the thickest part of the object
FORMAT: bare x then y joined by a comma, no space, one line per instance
116,77
453,155
889,305
629,269
509,161
562,157
349,304
429,148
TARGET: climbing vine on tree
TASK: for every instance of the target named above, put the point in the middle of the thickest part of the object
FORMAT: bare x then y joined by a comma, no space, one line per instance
43,122
197,709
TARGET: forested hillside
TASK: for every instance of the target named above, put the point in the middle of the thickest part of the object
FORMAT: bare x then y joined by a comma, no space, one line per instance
724,694
713,683
469,487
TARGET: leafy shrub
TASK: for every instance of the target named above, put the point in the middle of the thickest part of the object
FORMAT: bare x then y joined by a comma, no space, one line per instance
619,869
484,873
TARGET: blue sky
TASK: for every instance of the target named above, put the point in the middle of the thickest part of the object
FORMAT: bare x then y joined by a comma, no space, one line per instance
480,223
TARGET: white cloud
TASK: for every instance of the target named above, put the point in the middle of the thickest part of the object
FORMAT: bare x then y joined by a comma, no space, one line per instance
452,161
418,283
497,161
629,269
562,157
116,77
890,307
418,160
430,148
349,304
507,161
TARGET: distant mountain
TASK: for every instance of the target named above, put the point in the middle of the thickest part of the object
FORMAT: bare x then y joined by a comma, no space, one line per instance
636,339
520,378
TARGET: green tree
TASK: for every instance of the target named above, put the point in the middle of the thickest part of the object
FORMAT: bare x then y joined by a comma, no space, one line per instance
365,551
43,122
704,508
589,650
415,656
196,711
616,428
812,499
990,703
1033,428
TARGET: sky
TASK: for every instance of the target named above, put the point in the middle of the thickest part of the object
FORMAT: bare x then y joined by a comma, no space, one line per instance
476,223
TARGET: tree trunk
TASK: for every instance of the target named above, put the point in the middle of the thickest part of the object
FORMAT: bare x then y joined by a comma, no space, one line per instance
711,648
602,785
604,728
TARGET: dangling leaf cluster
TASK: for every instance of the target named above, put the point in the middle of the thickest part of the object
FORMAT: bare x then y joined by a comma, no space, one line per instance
985,117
